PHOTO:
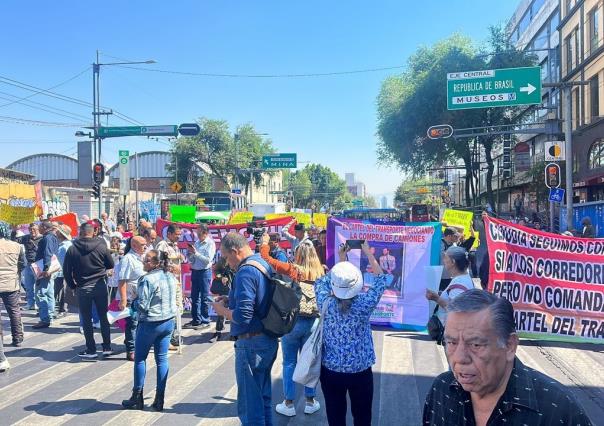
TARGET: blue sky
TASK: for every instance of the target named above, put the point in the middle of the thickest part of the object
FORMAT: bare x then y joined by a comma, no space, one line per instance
327,120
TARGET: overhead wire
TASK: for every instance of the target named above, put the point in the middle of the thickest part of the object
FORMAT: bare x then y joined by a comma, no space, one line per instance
44,107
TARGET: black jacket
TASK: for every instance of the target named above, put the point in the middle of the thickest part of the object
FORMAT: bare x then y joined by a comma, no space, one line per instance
86,261
31,246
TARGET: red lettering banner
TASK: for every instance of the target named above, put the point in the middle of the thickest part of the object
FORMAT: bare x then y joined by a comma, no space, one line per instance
555,283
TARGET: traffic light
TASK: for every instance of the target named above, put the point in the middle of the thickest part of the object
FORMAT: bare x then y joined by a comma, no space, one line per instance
96,191
552,175
98,173
442,131
507,158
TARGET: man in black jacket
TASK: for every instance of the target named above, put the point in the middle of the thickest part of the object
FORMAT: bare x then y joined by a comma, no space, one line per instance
45,287
30,243
85,270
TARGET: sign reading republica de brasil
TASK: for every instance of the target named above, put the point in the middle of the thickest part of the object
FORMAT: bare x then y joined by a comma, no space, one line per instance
554,282
494,88
404,252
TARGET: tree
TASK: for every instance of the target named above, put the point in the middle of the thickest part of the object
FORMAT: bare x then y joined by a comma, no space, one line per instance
319,186
410,103
224,154
411,191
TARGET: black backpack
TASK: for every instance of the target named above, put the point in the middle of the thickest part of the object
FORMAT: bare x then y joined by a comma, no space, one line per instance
284,303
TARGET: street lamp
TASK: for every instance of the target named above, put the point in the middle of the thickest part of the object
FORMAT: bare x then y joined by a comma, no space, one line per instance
96,106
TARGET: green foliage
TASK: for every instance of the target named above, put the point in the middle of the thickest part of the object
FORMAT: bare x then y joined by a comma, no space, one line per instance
222,152
408,191
318,185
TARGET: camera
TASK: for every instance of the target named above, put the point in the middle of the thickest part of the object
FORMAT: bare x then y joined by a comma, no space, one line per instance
257,233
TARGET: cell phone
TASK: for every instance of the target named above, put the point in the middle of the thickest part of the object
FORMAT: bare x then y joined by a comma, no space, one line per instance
354,244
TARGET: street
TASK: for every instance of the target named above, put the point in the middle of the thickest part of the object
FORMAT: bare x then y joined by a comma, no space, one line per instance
49,385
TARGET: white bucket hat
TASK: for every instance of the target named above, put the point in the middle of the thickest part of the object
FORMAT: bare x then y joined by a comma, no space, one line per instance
346,280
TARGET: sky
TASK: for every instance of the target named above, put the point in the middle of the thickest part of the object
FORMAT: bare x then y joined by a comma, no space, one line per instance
329,120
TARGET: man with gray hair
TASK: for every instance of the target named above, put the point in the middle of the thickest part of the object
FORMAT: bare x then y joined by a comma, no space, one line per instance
487,384
45,284
255,351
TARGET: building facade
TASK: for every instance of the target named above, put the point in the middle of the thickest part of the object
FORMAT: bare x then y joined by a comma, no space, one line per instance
582,47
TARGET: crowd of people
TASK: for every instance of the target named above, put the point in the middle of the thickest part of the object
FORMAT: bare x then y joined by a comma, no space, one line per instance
141,273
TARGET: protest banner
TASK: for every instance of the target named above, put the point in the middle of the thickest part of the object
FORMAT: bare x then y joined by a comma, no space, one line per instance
300,217
182,214
405,253
16,215
460,218
554,282
320,220
241,217
69,219
216,232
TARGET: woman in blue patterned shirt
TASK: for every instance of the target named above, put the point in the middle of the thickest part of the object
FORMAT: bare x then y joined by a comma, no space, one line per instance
348,352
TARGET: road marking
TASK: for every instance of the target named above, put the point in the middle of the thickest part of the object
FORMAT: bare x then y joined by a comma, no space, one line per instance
96,390
43,378
29,354
183,383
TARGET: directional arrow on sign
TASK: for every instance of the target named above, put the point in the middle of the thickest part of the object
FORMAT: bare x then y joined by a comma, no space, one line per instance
529,88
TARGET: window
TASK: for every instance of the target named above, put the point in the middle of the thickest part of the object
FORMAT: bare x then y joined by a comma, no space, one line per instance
594,96
536,6
544,70
577,108
568,48
596,154
541,40
553,24
569,4
524,23
595,28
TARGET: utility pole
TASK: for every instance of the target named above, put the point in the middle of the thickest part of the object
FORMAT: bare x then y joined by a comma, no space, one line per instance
136,174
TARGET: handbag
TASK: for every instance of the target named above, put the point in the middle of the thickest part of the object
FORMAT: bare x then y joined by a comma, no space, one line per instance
308,367
436,330
308,301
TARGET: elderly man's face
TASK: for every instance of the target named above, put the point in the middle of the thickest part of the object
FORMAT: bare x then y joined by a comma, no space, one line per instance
477,360
299,234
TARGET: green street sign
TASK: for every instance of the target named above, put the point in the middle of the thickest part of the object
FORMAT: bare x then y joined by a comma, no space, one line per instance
124,156
116,132
280,161
493,88
276,192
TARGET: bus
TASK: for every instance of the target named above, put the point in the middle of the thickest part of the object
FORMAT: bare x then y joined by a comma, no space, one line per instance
381,215
217,206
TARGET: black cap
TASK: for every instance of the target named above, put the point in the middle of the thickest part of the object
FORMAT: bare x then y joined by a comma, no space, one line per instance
299,227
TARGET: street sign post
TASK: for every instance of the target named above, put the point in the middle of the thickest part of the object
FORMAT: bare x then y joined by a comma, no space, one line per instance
280,161
124,172
494,88
189,129
276,192
554,151
116,132
556,195
441,131
176,187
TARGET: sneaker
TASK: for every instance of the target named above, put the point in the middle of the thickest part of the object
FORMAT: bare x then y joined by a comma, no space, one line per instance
172,347
61,315
87,355
41,325
192,326
311,408
286,410
4,365
81,330
17,343
203,326
107,352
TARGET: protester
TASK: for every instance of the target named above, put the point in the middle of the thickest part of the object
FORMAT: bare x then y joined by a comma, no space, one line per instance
64,238
518,205
487,383
450,238
30,243
201,257
299,235
169,246
588,228
305,269
255,351
12,262
456,262
321,246
348,352
156,309
108,225
85,270
45,286
276,252
130,270
221,286
150,237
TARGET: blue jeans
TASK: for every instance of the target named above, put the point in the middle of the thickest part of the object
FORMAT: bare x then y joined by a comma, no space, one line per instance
156,334
130,331
200,296
254,358
291,345
45,298
29,280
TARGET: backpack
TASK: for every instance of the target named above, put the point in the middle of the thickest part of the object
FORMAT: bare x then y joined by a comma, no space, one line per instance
284,303
308,301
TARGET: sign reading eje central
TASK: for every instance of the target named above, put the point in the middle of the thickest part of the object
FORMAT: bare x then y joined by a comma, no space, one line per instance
493,88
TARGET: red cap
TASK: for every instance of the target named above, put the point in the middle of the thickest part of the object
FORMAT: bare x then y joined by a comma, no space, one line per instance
92,223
